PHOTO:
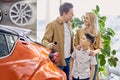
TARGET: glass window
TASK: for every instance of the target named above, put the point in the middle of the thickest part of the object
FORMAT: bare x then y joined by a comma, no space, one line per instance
7,42
11,39
3,46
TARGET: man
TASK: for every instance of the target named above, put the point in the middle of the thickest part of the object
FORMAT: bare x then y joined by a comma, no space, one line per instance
60,31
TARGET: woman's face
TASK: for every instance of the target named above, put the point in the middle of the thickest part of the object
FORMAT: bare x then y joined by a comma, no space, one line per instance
86,20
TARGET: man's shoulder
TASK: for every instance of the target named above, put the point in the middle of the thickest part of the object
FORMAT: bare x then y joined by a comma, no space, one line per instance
53,22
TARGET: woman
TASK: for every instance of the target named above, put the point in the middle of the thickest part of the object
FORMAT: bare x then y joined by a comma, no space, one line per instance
91,27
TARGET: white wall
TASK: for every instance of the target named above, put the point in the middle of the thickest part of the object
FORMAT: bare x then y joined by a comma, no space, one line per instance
48,10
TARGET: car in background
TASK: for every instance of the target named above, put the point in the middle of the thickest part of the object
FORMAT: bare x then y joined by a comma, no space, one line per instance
21,58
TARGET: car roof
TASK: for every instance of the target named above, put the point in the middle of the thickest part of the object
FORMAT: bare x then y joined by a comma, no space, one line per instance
14,30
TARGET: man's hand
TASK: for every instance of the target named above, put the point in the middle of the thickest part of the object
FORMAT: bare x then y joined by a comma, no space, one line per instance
51,45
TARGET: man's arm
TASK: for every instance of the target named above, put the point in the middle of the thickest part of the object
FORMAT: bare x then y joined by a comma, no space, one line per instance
47,38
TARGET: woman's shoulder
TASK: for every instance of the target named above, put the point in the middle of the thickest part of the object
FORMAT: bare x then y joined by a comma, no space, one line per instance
98,35
80,30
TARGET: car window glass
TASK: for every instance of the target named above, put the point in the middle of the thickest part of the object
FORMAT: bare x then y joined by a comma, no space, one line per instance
11,41
3,46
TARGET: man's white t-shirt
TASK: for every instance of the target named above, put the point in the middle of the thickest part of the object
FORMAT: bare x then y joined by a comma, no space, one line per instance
67,41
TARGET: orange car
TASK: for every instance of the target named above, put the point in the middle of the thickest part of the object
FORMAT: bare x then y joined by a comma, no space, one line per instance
23,59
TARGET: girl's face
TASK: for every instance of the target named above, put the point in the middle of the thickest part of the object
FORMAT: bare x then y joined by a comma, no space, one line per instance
86,20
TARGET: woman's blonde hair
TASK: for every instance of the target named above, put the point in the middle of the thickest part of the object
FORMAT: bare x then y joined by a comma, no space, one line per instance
93,22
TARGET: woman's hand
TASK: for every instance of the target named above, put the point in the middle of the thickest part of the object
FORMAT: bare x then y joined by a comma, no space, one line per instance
92,53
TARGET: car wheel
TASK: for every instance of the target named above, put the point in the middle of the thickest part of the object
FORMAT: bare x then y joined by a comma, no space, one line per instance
20,13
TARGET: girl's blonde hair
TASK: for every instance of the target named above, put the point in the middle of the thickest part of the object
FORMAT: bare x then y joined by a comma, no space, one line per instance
93,22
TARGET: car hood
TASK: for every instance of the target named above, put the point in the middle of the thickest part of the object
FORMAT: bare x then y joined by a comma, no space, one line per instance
29,61
23,61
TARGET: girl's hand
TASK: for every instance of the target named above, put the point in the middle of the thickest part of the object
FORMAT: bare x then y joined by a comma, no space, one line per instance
78,47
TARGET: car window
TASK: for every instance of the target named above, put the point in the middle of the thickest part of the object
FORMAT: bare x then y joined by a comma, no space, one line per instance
3,46
11,39
7,42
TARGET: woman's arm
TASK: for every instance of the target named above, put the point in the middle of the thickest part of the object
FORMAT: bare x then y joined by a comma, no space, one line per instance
78,35
94,52
97,46
97,51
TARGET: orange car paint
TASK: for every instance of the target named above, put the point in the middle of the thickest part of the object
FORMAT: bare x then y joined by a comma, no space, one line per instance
29,61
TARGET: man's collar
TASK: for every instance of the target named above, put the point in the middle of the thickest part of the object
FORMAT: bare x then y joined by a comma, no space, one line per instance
59,20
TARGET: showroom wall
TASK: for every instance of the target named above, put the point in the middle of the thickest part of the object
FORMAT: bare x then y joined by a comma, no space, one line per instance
19,13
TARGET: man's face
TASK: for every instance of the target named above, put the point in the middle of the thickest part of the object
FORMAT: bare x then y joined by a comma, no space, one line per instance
68,16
